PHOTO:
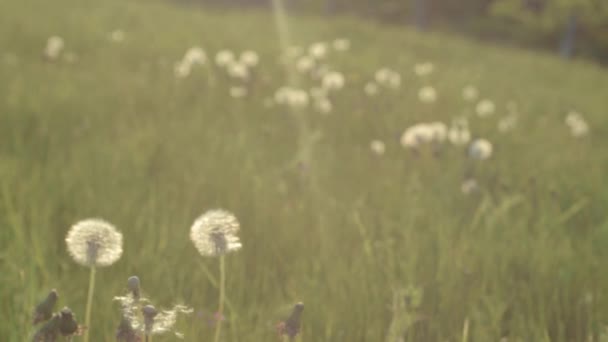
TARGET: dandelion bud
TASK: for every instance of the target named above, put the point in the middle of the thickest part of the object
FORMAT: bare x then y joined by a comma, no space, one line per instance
94,242
67,322
44,310
149,313
133,285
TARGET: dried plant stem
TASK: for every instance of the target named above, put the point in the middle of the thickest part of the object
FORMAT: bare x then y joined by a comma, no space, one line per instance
465,330
220,309
87,316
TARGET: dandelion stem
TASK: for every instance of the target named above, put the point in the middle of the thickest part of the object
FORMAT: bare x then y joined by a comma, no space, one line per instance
220,310
87,317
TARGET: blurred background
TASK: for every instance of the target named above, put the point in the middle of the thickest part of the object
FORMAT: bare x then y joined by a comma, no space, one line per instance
567,27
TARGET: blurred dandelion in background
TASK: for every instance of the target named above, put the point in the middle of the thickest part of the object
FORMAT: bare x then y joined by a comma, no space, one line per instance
117,36
318,50
377,147
93,243
249,58
424,69
459,133
341,44
470,93
427,94
480,149
54,47
223,58
485,108
371,88
238,92
333,80
577,124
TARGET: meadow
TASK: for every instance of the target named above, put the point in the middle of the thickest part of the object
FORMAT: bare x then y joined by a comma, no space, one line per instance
383,237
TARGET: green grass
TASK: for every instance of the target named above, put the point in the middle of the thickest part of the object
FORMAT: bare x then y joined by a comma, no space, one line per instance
116,136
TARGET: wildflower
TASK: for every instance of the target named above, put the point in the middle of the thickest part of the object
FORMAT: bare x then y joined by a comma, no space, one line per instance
470,93
215,233
195,55
249,58
54,47
371,88
318,50
480,149
427,94
424,69
485,108
377,147
388,78
305,64
333,80
224,58
44,310
117,36
238,92
94,242
341,44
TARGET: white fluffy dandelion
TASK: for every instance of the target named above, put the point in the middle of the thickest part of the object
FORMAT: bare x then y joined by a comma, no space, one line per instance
305,64
439,130
341,44
485,108
470,93
249,58
195,55
94,243
215,233
318,50
427,94
417,135
182,69
424,69
54,47
223,58
333,80
377,147
577,124
459,133
117,36
371,89
323,105
238,70
480,149
238,92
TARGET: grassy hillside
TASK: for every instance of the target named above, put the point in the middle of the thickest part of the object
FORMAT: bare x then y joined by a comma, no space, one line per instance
107,130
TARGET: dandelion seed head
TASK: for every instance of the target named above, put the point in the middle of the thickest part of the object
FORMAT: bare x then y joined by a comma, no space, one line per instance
238,92
215,233
417,135
378,147
182,69
424,69
427,94
333,80
470,93
94,242
439,131
318,50
250,58
305,64
195,55
323,105
117,36
371,89
238,70
507,123
341,44
480,149
54,47
577,124
485,108
223,58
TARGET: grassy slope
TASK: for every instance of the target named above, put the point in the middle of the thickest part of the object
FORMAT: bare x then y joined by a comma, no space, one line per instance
116,136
